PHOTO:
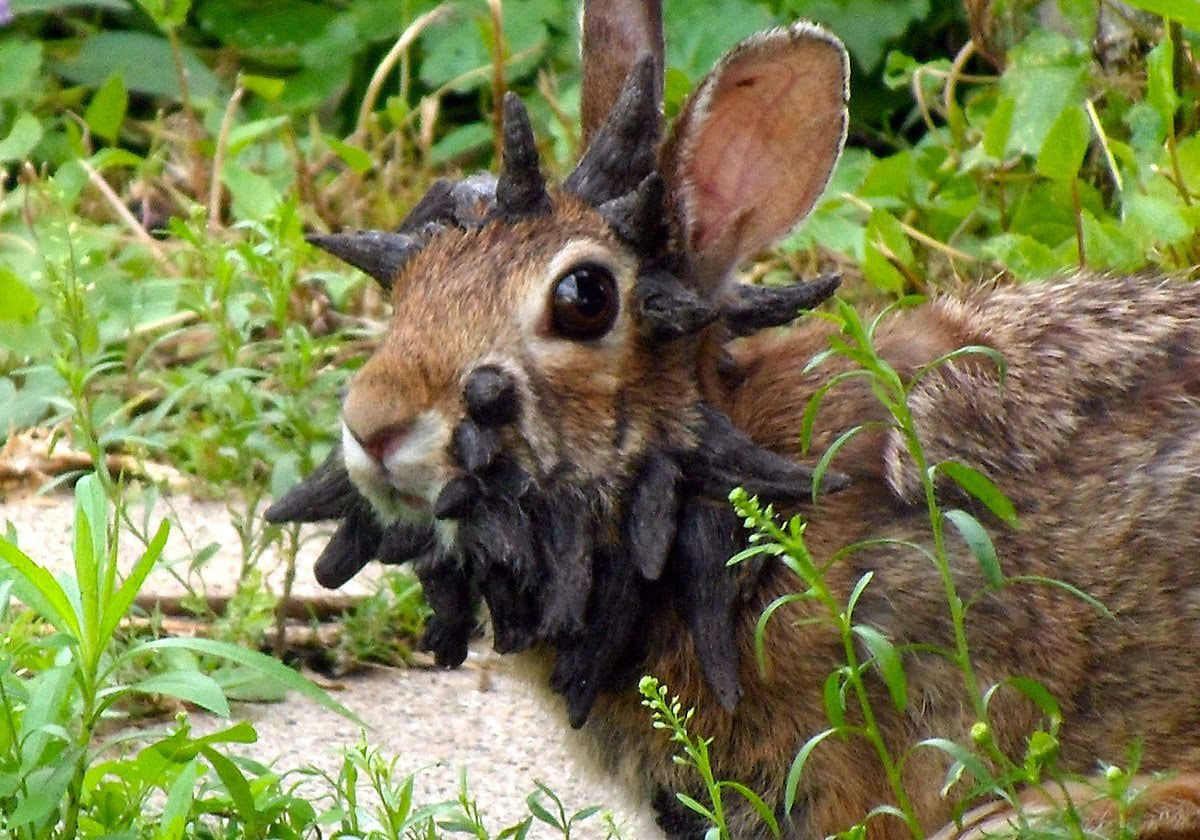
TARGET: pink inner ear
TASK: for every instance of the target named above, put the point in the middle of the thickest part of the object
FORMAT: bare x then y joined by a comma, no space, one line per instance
766,145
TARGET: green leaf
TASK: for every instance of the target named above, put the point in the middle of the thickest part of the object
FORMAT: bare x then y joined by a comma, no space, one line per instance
468,138
979,542
251,132
756,802
887,662
834,700
179,802
167,14
38,589
17,303
981,487
998,127
189,686
357,159
106,111
22,63
867,35
797,769
21,140
267,665
120,602
1065,145
1186,12
1160,80
235,782
267,87
1155,221
1040,695
145,62
254,196
962,756
827,458
1047,74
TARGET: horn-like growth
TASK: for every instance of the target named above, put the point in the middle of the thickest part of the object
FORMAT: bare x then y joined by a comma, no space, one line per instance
624,151
521,190
378,253
749,308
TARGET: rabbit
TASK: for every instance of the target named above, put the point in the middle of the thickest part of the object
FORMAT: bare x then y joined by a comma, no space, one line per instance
572,382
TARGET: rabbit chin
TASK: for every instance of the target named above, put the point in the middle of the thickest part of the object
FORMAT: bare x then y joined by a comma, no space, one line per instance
403,487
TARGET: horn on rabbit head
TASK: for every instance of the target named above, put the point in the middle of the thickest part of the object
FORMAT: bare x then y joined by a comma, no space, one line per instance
624,150
521,190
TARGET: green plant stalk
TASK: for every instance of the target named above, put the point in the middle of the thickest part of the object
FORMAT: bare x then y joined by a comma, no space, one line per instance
797,551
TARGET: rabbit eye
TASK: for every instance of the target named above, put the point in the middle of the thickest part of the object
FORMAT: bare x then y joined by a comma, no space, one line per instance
584,303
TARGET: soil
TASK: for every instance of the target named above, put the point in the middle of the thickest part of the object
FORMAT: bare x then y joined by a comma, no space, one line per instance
478,719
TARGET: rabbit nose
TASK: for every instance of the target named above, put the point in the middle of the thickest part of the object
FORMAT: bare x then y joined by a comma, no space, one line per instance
381,443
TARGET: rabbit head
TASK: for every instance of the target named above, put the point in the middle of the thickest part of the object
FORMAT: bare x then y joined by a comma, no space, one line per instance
544,391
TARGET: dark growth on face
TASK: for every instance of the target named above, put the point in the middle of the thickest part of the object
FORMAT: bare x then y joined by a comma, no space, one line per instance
556,561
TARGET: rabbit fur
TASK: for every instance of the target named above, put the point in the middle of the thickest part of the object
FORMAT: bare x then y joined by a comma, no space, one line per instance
569,470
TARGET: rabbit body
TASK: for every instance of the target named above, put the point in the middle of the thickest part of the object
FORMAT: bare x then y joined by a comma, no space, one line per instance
559,390
1095,436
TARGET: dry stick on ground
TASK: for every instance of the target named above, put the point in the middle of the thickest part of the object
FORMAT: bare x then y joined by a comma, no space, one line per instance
128,218
214,189
388,63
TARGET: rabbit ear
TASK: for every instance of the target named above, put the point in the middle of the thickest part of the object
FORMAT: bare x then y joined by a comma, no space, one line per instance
615,34
756,144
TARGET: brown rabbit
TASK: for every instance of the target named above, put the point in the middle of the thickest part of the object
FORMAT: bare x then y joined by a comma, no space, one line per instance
570,386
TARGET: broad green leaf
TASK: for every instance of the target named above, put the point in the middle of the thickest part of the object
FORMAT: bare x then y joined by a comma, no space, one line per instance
880,272
106,111
27,6
1160,80
1186,12
267,29
1155,221
1108,246
1065,145
867,35
981,487
887,662
979,542
189,686
22,61
244,135
254,196
17,303
25,134
999,127
1047,74
468,138
46,786
269,666
357,159
1023,255
1082,15
144,61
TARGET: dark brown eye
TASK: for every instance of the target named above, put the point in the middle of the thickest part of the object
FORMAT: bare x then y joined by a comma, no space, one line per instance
584,303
